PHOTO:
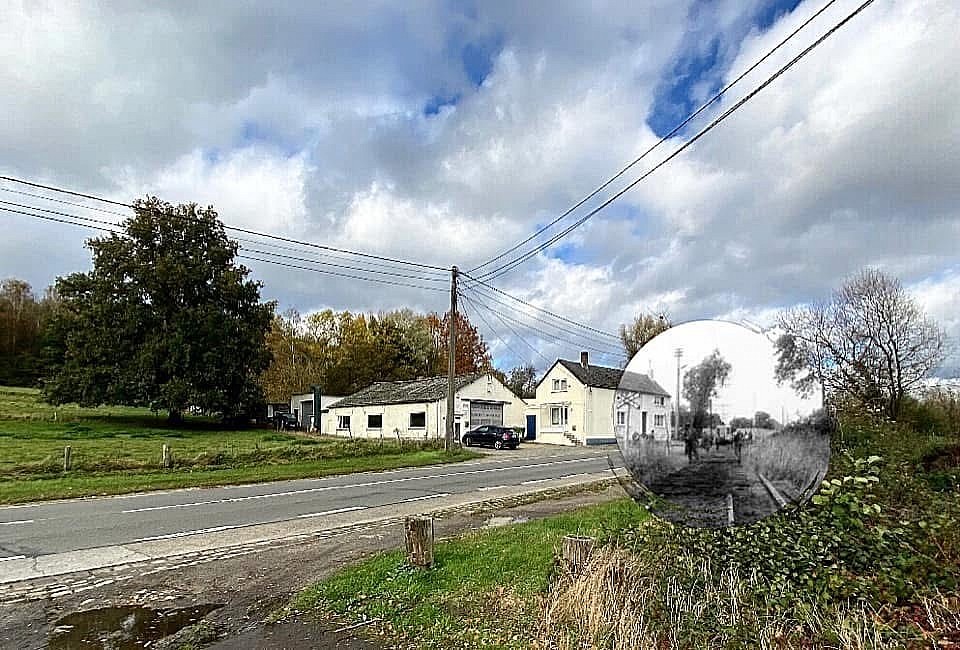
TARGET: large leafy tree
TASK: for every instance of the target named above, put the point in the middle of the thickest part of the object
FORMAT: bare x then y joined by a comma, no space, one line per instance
166,319
472,353
23,319
522,380
702,383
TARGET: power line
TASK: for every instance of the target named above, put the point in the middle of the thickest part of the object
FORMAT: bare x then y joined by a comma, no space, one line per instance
73,203
249,257
663,139
235,228
342,275
343,266
500,270
564,330
507,325
540,309
517,356
545,335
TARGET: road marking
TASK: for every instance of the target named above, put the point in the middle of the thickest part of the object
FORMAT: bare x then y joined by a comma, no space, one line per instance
357,485
429,496
13,557
492,487
15,523
332,512
537,480
215,529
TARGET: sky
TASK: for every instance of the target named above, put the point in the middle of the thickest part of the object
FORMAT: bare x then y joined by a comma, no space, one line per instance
751,385
445,132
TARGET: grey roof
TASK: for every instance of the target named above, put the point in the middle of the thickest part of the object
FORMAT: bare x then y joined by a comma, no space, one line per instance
612,378
430,389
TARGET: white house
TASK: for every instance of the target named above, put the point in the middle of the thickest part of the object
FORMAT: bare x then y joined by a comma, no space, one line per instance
575,404
418,409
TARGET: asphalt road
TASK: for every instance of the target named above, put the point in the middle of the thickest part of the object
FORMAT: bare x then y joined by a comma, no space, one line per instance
32,530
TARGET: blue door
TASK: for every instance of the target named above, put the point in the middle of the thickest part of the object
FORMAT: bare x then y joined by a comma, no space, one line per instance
531,427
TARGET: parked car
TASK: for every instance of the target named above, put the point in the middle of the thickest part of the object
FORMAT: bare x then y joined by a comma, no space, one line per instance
491,434
285,422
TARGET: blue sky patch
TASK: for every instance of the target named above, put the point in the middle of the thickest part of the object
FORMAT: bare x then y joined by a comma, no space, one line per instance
437,102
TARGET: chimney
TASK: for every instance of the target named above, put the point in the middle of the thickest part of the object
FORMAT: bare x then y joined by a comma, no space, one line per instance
584,360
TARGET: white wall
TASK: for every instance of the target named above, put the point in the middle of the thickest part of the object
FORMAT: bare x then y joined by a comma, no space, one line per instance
574,398
645,402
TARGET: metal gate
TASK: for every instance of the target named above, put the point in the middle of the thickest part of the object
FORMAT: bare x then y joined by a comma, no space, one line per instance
485,413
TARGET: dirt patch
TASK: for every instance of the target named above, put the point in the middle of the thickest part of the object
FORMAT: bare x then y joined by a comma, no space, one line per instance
254,586
122,628
945,458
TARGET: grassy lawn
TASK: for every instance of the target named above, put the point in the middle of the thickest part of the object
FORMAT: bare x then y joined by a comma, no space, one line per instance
872,562
116,450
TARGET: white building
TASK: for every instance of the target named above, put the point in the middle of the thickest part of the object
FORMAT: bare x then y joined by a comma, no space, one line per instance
575,405
302,408
417,409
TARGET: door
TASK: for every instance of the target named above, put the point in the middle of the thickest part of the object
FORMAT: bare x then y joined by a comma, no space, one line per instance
307,421
643,423
485,413
531,427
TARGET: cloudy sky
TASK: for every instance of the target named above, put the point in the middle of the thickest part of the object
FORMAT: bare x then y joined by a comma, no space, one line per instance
445,132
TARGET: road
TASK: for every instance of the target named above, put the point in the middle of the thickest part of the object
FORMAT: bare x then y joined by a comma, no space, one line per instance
715,491
77,534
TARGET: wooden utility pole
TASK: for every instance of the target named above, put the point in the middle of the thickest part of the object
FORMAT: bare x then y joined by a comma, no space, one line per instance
451,441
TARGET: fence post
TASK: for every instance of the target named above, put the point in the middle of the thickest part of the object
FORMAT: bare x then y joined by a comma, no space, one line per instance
418,532
576,552
165,461
66,458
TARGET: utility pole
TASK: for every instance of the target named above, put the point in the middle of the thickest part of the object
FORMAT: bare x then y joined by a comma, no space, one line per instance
678,353
451,440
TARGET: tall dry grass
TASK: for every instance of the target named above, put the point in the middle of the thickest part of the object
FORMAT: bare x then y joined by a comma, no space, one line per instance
789,456
624,601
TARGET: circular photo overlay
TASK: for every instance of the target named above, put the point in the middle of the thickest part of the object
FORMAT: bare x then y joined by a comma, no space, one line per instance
709,436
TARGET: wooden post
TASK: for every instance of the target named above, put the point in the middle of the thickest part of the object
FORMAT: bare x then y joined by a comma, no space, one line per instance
66,458
576,552
418,532
165,460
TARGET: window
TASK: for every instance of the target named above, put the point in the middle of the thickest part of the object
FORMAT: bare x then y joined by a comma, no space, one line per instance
559,385
659,400
343,422
418,420
559,415
658,420
375,421
621,418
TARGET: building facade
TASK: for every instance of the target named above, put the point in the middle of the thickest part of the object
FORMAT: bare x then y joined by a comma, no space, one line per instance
575,404
417,409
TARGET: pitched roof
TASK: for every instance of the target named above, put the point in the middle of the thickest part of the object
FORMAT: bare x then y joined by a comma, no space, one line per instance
612,378
430,389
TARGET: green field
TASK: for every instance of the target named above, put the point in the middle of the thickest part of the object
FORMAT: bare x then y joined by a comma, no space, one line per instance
119,449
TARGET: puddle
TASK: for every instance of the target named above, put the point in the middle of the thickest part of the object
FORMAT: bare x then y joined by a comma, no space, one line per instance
493,522
122,628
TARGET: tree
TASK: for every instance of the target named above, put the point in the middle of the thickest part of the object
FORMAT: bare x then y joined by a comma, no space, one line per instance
23,321
763,420
642,331
522,380
869,345
165,319
701,383
472,354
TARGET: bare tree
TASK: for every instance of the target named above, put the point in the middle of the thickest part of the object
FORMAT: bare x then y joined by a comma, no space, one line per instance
870,344
641,331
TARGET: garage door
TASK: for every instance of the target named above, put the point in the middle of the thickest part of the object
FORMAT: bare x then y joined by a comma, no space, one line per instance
485,413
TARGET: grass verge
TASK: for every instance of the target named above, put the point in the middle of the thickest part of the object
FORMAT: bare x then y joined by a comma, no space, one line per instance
116,450
482,592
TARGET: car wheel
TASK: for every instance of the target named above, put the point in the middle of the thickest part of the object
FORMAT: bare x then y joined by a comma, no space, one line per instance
468,441
498,444
514,446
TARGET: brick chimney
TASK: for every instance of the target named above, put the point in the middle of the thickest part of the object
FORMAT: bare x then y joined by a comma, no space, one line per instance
584,360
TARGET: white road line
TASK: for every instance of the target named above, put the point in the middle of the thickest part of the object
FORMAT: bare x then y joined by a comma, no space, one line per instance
13,557
429,496
332,512
491,487
536,480
215,529
358,485
14,523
